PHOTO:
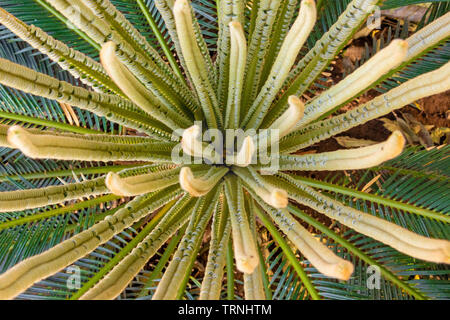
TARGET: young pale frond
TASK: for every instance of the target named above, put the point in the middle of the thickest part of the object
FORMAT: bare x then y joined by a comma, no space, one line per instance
146,68
361,79
236,74
434,82
429,36
32,270
273,196
214,271
292,44
116,281
231,14
316,252
110,106
253,283
290,118
136,92
35,198
78,64
165,8
320,56
245,155
244,244
410,243
184,258
249,73
352,159
196,64
258,44
198,187
106,11
48,145
192,145
141,184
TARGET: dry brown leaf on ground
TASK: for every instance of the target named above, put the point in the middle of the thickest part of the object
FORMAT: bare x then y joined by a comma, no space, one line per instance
349,142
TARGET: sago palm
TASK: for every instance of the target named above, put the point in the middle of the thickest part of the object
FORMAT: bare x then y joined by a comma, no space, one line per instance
143,99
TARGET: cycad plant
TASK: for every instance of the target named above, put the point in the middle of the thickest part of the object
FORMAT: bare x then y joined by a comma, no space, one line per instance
150,84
